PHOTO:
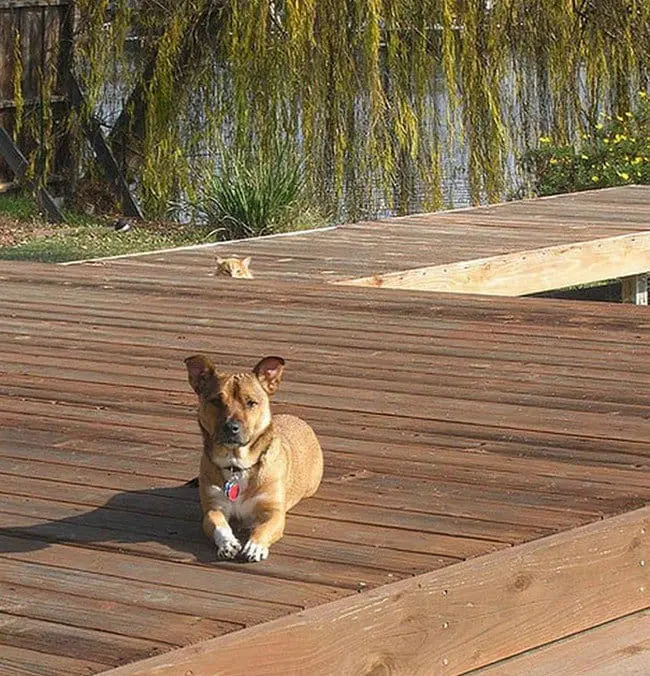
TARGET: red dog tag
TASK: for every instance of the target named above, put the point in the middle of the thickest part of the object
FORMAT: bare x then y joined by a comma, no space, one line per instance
231,489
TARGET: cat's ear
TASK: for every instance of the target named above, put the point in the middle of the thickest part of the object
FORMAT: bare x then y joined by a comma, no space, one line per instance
219,260
246,262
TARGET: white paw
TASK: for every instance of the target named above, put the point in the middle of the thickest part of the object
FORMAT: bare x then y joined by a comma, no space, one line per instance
254,552
228,546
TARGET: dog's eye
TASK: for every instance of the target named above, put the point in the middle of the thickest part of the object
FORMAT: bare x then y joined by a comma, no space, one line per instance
250,403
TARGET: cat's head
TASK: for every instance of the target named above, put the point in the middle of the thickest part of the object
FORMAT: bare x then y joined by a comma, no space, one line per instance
234,267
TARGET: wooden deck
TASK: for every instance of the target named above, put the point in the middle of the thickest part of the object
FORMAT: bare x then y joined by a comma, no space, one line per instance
487,462
379,247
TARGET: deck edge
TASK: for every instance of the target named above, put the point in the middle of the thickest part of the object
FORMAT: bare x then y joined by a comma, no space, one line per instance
453,620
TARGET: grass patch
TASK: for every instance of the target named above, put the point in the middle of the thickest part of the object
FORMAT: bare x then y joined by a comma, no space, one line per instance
18,207
24,235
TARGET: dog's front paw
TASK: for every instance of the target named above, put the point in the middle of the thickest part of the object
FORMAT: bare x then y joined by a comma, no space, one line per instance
228,546
254,552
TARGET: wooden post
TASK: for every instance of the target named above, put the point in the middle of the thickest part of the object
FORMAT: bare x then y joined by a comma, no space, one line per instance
18,164
634,289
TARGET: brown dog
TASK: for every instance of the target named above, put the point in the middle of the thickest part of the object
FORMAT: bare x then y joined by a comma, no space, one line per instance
254,468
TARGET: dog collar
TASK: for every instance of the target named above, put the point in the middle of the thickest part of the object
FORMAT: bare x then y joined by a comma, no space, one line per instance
236,469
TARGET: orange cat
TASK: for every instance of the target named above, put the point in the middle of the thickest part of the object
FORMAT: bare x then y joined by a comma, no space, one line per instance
234,267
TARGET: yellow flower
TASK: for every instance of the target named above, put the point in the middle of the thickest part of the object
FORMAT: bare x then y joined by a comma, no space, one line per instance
628,114
544,139
599,126
595,179
584,157
643,94
605,140
625,176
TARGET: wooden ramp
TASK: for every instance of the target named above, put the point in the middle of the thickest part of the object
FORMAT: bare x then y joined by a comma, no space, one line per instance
486,489
377,248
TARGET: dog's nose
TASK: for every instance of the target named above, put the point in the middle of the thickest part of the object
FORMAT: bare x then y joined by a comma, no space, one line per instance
232,427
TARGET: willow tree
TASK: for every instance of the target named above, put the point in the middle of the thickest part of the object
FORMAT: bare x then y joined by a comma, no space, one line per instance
372,94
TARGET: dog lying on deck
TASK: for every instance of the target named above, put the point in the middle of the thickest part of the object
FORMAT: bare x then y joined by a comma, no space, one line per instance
254,467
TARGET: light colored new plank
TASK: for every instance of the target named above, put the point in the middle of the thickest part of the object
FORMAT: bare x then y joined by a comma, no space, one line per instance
525,272
618,648
446,622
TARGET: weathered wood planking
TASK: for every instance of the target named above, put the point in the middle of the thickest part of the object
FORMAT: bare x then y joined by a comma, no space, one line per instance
618,648
425,240
463,617
453,428
529,271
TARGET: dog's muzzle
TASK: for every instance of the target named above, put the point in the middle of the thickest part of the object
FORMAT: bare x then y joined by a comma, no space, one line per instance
232,433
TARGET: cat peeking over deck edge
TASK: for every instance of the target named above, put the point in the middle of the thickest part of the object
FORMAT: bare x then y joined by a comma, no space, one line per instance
234,267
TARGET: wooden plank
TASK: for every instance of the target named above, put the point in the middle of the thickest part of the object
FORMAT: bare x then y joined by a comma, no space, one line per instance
461,618
526,272
444,496
72,642
253,587
635,289
415,460
618,648
197,553
22,662
45,573
122,618
617,424
7,104
14,4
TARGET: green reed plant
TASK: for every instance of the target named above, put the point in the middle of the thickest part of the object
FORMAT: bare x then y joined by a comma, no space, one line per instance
253,195
615,151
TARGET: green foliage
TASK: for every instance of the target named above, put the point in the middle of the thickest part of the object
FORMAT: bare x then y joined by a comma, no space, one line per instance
371,94
252,195
614,152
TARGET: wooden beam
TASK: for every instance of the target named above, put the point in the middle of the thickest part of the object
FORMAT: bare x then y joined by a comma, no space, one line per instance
526,272
618,648
104,153
449,621
19,165
634,289
10,104
15,4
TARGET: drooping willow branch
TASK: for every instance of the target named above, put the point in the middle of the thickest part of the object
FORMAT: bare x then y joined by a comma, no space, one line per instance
371,93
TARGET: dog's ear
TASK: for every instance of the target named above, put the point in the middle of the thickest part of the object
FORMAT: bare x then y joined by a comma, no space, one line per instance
246,262
201,374
269,373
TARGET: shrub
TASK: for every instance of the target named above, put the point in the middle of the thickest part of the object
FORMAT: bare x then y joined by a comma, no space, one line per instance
614,152
253,196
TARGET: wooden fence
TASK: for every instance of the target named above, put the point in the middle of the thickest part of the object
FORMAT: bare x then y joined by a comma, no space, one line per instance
35,37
